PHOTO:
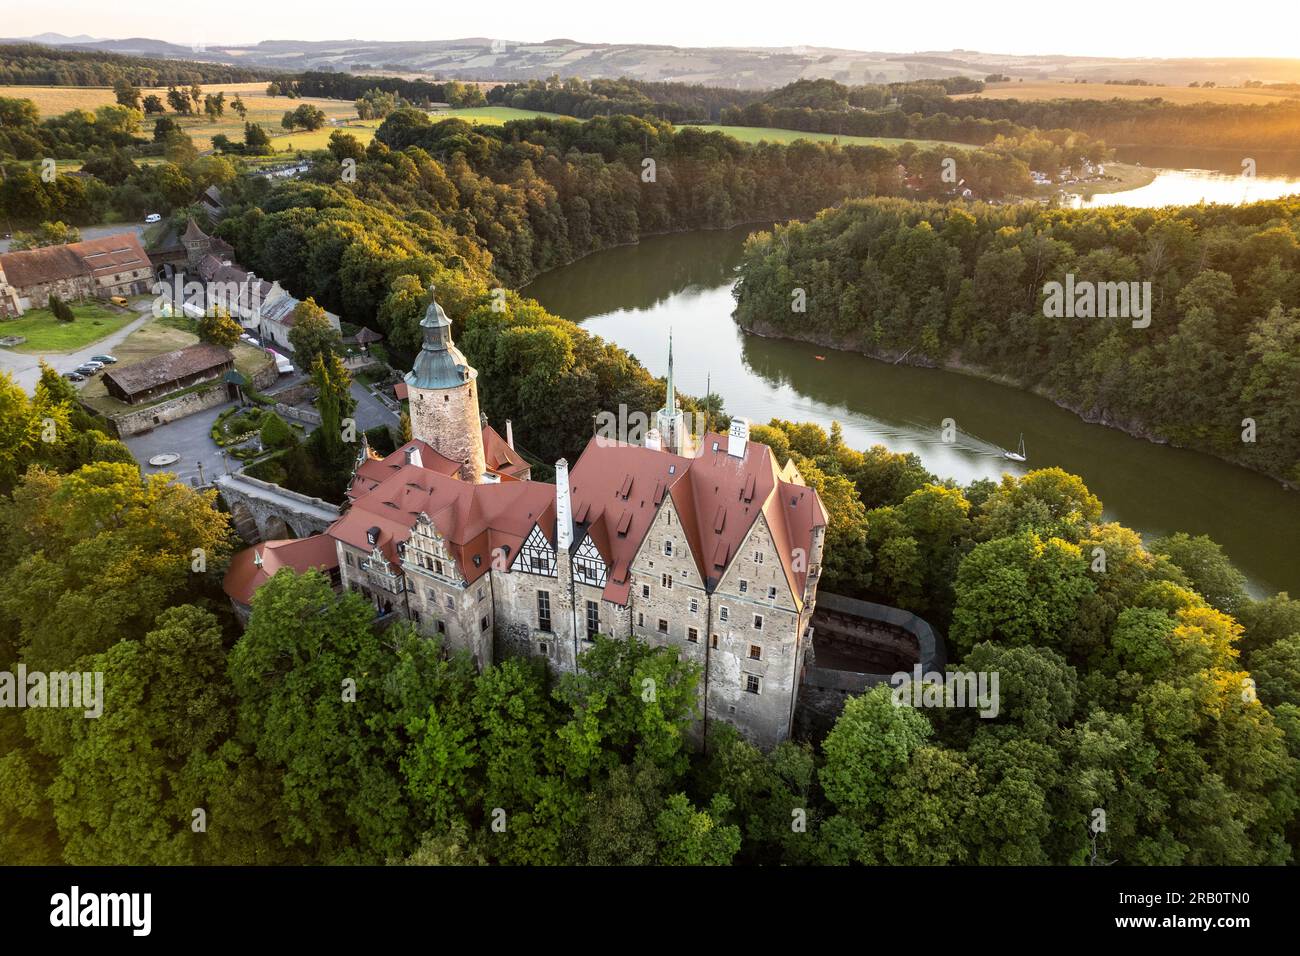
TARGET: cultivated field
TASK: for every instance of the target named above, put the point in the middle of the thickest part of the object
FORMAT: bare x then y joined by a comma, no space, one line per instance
1054,90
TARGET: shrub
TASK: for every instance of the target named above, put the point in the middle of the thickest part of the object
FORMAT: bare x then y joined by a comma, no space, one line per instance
276,433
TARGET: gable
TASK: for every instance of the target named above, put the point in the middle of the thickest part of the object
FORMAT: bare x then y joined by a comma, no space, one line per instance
536,556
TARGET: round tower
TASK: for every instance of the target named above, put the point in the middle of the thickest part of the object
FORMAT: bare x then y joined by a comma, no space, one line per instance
443,394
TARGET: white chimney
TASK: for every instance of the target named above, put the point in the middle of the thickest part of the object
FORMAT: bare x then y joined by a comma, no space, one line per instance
653,439
510,434
413,456
738,437
563,507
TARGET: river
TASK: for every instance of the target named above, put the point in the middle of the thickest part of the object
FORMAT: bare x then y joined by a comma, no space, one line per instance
634,295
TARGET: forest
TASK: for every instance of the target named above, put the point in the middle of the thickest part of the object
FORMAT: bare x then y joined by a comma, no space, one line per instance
32,64
962,286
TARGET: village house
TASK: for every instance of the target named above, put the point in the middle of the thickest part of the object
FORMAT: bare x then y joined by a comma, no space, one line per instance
95,268
712,551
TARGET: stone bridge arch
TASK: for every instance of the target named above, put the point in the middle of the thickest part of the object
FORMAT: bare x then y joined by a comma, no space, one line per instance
262,511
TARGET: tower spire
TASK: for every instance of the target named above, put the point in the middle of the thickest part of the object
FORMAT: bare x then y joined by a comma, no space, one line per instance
671,404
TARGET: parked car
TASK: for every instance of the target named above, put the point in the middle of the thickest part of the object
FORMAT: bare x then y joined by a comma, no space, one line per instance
74,377
248,338
104,359
152,218
86,370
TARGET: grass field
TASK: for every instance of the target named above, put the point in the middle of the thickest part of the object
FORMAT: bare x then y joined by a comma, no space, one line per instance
307,140
267,110
755,134
1055,90
46,334
494,115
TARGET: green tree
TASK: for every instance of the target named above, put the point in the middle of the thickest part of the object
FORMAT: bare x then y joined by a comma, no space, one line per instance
220,328
311,334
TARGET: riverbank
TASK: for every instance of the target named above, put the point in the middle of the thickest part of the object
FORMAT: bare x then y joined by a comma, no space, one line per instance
954,363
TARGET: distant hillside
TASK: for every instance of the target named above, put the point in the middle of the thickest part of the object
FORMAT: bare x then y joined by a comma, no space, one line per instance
484,58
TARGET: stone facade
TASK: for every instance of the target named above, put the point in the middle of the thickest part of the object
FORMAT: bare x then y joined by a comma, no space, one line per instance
449,420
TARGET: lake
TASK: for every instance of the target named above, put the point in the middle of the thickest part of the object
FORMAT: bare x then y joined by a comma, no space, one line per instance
633,296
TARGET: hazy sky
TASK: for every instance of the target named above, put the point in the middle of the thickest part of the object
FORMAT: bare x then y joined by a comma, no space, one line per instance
1167,28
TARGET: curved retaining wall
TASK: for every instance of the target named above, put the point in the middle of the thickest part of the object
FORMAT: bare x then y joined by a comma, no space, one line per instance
823,690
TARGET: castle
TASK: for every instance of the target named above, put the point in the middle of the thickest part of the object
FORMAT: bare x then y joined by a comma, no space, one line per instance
712,551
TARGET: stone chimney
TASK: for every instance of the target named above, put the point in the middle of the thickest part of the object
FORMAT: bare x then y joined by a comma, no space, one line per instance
413,456
738,437
563,508
510,435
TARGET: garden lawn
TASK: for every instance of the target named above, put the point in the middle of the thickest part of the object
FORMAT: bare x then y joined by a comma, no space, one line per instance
46,334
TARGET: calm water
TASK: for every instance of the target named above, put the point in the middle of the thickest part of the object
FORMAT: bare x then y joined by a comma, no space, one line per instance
633,295
1179,187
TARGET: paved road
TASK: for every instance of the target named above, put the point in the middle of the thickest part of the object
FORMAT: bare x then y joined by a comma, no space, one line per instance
96,232
370,410
26,368
189,437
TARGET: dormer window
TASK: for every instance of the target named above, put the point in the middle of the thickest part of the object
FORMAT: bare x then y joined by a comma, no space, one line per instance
372,536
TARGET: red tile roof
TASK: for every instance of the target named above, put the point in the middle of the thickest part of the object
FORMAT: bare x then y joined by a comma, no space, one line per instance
475,519
500,457
301,554
108,255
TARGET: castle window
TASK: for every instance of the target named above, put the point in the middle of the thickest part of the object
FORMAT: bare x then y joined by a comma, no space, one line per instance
758,622
446,398
437,566
758,557
431,595
713,642
668,549
693,635
593,620
348,555
695,606
483,623
482,593
668,581
640,619
663,626
544,611
744,586
645,590
771,593
543,647
755,652
724,613
753,684
451,605
442,627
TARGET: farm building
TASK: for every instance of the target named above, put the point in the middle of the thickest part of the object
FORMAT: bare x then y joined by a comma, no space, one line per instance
167,373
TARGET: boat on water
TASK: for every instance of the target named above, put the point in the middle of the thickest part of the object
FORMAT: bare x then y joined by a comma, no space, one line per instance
1019,454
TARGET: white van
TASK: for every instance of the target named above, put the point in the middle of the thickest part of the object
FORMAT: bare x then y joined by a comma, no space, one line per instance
283,365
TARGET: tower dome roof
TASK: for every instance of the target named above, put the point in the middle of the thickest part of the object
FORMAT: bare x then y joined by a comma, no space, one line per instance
440,364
